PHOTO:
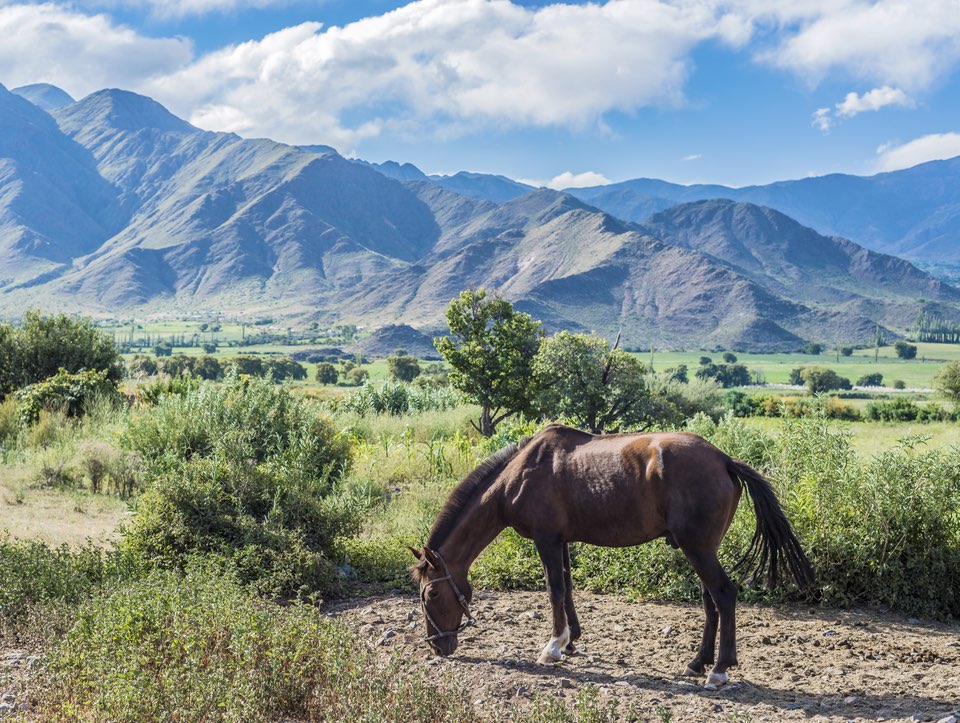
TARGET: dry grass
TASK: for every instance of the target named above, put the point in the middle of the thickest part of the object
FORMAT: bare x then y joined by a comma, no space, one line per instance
55,516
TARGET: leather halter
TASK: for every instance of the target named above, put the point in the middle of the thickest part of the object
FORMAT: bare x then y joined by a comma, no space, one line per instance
461,598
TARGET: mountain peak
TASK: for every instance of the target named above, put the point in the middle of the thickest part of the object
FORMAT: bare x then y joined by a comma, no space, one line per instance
122,110
46,96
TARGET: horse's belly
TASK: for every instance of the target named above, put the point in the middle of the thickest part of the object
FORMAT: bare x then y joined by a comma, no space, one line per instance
615,514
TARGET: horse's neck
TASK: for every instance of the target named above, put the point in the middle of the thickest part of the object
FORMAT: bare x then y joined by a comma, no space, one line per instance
477,527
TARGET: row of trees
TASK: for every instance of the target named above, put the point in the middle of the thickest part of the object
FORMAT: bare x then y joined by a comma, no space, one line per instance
209,367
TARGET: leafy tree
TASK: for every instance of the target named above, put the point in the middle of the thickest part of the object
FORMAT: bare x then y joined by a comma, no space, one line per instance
403,366
44,345
165,349
821,379
728,375
870,380
704,360
327,373
209,348
812,348
795,376
899,384
490,350
280,369
595,387
9,376
947,380
679,373
729,357
846,351
357,376
142,366
249,365
69,391
905,350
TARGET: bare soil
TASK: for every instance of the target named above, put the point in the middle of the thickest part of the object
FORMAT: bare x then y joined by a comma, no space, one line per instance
796,663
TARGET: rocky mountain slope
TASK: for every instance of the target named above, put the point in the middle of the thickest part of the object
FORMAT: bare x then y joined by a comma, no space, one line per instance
112,203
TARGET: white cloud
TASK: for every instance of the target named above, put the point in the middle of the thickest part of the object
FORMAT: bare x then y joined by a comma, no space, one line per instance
935,146
873,100
895,42
448,66
576,180
692,157
183,8
822,119
79,52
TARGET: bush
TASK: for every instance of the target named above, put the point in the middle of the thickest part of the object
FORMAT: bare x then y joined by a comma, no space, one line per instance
398,398
245,421
727,375
812,348
275,528
870,380
893,410
905,350
403,367
201,647
42,585
947,380
327,373
66,391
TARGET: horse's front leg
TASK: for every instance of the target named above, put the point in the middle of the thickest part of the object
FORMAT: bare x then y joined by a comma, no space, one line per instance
551,554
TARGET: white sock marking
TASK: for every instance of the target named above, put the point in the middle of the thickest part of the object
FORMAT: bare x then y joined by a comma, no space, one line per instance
553,651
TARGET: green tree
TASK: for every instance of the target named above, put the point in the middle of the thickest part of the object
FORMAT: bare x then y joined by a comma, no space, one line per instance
729,357
905,350
44,345
870,380
403,366
164,349
947,380
595,387
9,368
812,348
490,350
728,375
846,351
821,379
327,373
357,376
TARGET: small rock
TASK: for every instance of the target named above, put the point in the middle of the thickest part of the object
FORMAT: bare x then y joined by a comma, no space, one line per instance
793,706
948,719
566,683
411,614
830,633
912,621
717,708
851,700
387,635
522,690
619,628
883,714
794,678
533,615
666,630
916,717
766,640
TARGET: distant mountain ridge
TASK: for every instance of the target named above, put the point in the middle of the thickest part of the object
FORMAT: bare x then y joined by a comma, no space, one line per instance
112,204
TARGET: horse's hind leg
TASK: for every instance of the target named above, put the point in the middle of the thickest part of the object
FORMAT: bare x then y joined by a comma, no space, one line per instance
723,594
572,620
705,653
551,554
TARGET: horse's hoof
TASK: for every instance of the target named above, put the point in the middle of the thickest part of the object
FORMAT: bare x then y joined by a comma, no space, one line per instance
715,680
570,649
692,672
549,657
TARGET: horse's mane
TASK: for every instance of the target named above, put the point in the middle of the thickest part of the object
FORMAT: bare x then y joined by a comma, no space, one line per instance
468,489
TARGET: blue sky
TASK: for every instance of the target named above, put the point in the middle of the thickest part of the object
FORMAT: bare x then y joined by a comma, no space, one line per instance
723,91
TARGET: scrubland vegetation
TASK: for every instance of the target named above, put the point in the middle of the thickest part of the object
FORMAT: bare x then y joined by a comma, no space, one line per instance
243,494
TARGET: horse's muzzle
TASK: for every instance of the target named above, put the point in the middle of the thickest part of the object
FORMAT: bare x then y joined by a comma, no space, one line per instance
444,646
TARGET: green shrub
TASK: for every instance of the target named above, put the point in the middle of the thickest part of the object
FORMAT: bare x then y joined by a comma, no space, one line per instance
202,647
274,526
243,420
398,398
65,390
898,409
42,585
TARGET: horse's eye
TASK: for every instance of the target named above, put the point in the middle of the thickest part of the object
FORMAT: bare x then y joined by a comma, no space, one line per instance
433,594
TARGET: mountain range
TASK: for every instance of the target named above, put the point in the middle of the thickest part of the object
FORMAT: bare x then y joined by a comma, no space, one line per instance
112,205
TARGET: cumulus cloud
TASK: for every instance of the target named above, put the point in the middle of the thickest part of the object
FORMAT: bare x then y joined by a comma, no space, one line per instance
936,146
439,68
875,99
575,180
80,52
893,42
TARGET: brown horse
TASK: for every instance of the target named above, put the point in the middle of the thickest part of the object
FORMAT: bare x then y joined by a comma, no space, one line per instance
564,486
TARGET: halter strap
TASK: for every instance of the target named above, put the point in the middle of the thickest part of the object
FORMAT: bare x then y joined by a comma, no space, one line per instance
461,598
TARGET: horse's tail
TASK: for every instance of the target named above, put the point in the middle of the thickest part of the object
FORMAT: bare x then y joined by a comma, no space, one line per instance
774,545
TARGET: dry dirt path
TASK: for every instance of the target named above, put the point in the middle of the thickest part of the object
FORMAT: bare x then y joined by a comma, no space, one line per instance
797,663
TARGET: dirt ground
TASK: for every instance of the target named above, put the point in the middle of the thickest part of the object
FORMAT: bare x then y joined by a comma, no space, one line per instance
796,663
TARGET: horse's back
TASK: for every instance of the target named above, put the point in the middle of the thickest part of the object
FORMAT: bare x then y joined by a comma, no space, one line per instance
622,489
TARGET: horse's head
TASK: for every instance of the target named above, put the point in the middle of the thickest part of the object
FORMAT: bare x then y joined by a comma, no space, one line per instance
445,598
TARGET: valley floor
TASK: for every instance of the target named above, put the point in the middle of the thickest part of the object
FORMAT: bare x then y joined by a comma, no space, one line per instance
797,663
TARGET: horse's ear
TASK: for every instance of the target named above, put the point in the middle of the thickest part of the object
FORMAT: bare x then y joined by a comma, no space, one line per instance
416,553
430,557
